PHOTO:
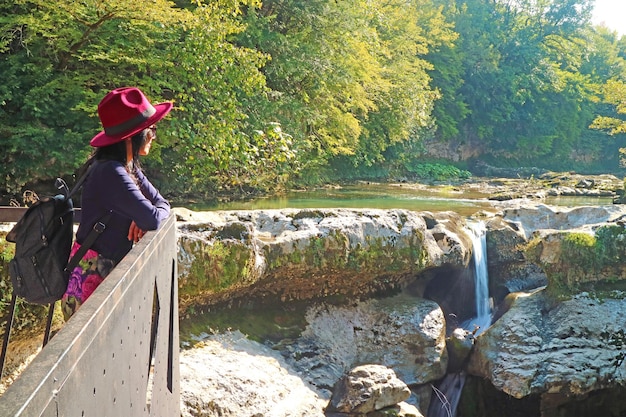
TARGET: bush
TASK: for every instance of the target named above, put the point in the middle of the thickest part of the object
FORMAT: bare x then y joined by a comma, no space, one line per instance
438,172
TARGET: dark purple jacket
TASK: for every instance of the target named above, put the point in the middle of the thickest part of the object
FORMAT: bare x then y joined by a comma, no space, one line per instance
109,187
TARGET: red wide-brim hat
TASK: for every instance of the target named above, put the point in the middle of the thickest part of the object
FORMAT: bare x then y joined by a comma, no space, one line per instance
124,112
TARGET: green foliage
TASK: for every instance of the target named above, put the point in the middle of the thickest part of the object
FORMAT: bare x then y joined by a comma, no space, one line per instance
438,172
6,254
278,92
347,78
524,79
614,93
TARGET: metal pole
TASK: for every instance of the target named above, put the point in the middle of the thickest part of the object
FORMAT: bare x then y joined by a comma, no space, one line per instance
7,333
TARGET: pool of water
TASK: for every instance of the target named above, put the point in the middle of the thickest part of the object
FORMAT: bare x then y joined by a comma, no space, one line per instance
390,196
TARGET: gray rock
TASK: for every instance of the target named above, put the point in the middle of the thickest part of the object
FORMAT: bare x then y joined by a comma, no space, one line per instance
368,388
302,254
543,217
572,349
459,346
404,333
231,376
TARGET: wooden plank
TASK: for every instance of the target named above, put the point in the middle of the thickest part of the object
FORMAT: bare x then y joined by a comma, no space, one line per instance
13,214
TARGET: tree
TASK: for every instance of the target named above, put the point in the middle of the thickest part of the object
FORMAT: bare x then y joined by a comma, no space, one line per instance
522,85
408,32
614,93
347,79
57,59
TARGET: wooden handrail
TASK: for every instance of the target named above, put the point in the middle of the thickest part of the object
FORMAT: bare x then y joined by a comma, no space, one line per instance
13,214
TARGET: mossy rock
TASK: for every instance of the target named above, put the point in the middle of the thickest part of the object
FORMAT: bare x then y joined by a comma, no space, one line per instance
216,267
580,261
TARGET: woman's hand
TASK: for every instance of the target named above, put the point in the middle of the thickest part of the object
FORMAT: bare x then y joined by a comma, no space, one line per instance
135,233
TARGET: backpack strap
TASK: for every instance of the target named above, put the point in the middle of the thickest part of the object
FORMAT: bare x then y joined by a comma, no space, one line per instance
97,230
83,177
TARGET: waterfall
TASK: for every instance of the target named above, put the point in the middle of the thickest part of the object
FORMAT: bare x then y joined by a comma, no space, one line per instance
481,281
446,396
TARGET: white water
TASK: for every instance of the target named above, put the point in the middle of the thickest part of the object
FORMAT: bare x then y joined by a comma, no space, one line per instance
448,394
481,322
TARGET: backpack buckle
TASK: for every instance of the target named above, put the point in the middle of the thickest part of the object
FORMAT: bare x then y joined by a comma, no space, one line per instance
99,227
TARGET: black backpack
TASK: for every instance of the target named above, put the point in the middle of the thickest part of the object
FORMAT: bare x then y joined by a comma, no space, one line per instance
43,239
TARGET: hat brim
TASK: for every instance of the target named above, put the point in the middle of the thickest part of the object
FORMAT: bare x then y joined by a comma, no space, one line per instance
102,139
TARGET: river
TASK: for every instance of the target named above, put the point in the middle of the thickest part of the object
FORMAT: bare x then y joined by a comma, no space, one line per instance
273,325
261,326
390,196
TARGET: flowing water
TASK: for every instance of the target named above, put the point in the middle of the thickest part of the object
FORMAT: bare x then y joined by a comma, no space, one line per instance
448,393
481,322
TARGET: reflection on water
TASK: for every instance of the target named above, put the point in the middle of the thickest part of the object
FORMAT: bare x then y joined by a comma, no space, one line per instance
377,196
577,201
390,196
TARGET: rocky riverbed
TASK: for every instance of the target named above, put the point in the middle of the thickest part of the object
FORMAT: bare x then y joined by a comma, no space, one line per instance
518,190
552,264
364,260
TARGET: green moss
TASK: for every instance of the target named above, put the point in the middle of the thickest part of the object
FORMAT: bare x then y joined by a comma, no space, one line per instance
586,262
578,250
382,255
309,214
216,267
334,251
611,244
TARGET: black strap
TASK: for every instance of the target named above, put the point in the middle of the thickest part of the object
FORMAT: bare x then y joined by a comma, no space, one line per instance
81,180
46,333
97,230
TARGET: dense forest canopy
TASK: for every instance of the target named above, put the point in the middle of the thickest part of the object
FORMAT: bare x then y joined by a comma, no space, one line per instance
280,93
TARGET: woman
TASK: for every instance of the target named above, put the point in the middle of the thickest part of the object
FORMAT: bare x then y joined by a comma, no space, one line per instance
116,185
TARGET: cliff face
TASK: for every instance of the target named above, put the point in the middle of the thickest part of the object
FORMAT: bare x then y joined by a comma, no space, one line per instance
556,279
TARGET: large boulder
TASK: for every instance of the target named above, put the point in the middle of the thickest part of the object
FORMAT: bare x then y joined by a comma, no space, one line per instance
567,249
575,261
367,388
510,269
228,375
540,217
403,333
568,349
559,342
303,254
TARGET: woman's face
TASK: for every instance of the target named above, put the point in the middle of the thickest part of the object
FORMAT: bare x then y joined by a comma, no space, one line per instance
150,136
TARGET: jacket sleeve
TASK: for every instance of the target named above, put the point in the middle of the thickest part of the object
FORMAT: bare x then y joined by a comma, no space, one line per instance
142,203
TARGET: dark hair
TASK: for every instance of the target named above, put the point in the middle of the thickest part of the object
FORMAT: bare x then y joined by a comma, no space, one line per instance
117,151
